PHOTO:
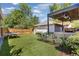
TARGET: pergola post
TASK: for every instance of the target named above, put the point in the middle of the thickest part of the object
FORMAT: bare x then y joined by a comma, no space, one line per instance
63,29
48,23
62,26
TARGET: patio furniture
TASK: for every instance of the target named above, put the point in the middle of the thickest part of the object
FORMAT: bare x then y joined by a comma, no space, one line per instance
70,29
11,34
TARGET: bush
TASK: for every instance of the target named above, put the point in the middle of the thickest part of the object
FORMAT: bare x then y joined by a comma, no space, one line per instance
41,36
73,43
46,37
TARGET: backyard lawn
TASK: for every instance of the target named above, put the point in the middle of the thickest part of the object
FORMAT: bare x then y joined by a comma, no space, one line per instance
28,45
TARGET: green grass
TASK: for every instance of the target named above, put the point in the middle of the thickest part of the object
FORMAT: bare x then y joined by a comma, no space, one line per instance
30,46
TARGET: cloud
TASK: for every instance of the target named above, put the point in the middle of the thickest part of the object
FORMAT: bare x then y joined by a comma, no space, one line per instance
38,15
35,7
42,6
45,4
36,11
15,3
41,10
10,8
7,10
4,11
44,19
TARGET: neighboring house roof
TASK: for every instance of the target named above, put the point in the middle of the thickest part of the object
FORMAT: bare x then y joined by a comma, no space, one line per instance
44,23
50,23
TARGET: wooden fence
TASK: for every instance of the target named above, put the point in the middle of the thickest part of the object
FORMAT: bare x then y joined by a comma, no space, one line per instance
3,31
20,31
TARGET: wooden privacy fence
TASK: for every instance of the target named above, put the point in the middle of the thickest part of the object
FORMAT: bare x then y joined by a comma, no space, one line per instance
20,31
3,31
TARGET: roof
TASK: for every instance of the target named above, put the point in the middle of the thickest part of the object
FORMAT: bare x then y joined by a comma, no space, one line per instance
51,23
44,23
67,10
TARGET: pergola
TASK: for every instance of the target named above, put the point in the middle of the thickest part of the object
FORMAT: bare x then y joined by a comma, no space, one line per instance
66,14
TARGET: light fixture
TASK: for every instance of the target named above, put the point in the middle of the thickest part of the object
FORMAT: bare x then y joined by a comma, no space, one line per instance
66,16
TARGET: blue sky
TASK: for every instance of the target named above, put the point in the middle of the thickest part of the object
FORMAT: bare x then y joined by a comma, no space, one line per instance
38,9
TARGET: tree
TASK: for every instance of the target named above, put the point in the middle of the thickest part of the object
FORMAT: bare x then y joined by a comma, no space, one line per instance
25,9
16,17
55,7
35,20
20,18
64,5
75,24
58,6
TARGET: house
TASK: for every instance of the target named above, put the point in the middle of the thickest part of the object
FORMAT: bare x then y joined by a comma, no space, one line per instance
42,27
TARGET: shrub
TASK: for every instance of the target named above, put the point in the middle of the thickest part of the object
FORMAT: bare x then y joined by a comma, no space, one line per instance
43,36
46,37
39,36
73,43
63,44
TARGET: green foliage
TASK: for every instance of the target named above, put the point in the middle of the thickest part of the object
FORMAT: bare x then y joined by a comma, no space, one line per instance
34,20
73,43
14,18
58,6
25,8
64,5
75,24
20,18
55,7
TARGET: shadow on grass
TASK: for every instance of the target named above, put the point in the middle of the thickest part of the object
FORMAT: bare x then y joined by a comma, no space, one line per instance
5,50
58,47
14,37
64,50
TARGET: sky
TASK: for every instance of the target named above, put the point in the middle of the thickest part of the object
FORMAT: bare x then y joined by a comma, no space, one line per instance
38,9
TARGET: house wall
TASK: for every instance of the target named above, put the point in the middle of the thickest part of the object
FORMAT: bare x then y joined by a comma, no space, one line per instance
57,28
51,28
44,28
